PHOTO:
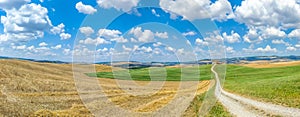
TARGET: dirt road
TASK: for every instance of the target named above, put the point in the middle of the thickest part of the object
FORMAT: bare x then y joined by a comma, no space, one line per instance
241,106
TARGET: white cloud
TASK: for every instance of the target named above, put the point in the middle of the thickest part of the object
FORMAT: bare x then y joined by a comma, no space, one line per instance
9,4
280,42
146,49
290,48
66,51
233,38
201,42
112,35
85,9
133,40
276,13
252,36
25,23
56,47
102,50
170,49
199,9
157,44
272,32
190,33
268,48
297,45
107,33
3,37
43,44
154,13
157,51
142,36
124,5
230,50
180,51
21,47
58,29
86,30
31,48
126,48
65,36
163,35
294,34
97,41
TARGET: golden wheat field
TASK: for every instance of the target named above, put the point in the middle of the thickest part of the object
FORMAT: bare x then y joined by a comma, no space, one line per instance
46,89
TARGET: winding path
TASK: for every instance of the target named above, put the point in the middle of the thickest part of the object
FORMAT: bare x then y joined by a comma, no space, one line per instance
245,107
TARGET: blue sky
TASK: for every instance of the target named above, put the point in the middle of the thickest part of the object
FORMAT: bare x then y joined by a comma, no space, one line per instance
143,30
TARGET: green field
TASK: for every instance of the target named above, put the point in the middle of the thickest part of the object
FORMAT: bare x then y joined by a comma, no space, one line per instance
279,85
158,74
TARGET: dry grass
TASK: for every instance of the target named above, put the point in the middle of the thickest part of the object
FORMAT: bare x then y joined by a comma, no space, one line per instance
31,88
266,64
44,89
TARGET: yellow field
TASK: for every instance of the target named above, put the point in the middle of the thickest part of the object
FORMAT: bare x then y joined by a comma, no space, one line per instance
44,89
266,64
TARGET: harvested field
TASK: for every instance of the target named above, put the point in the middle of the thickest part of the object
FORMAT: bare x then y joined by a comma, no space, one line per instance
45,89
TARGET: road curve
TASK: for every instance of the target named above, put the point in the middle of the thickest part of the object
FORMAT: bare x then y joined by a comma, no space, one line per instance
241,106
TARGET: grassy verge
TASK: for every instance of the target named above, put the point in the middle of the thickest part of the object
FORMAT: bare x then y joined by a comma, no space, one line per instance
216,111
279,85
158,74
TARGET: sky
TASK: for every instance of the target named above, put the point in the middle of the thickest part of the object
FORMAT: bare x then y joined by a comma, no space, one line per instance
144,30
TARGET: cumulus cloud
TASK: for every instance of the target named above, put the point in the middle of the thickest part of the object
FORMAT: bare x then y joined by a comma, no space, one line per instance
146,35
124,5
252,36
97,41
199,9
21,47
168,48
272,32
107,33
112,35
163,35
142,35
86,30
126,48
157,44
276,13
66,51
201,42
290,48
190,33
233,38
230,50
58,29
26,23
280,42
65,36
85,9
294,34
9,4
43,44
56,47
268,48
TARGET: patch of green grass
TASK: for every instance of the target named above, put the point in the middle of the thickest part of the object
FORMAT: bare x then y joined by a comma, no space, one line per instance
158,74
216,111
279,85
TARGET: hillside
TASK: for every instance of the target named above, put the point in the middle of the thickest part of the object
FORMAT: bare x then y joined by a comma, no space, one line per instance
47,89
